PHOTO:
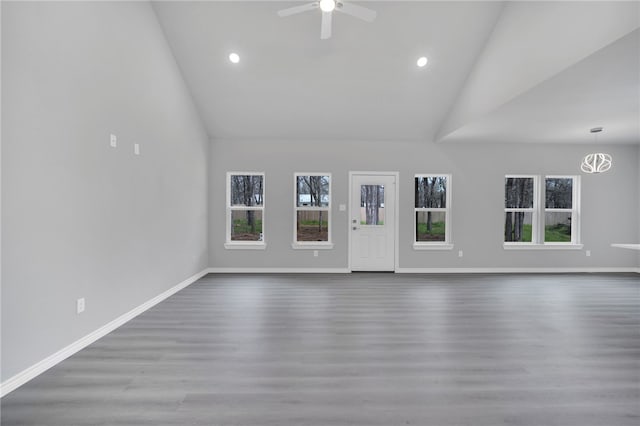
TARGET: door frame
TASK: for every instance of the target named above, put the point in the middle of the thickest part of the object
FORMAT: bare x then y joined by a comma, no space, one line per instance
396,209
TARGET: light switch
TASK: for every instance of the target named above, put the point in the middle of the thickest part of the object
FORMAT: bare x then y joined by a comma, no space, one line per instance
113,141
136,148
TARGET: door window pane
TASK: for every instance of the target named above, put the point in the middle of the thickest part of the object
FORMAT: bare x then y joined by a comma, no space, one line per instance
312,225
517,227
430,226
372,204
246,225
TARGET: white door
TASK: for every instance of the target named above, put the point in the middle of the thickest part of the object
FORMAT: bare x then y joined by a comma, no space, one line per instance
372,223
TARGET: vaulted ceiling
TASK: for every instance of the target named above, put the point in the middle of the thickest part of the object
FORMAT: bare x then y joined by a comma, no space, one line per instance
497,71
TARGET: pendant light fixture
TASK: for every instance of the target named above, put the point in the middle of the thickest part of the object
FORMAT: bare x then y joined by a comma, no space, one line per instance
597,162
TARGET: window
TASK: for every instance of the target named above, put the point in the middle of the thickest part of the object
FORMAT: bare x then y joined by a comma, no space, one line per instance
520,205
559,213
245,210
312,211
432,218
541,214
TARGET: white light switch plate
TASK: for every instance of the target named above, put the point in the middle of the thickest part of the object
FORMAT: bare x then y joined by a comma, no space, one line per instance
113,141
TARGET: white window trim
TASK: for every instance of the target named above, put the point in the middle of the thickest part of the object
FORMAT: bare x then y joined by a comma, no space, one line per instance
311,245
434,245
245,245
538,216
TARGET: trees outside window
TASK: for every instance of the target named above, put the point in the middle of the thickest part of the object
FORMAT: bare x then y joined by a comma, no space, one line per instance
245,208
432,209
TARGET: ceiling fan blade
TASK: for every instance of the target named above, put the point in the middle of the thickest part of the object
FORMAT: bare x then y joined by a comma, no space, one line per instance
325,31
358,11
297,9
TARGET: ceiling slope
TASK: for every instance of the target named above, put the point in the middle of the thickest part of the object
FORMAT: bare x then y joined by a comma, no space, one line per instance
602,90
511,93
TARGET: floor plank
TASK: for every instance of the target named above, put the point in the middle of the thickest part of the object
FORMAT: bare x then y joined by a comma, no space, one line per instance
361,349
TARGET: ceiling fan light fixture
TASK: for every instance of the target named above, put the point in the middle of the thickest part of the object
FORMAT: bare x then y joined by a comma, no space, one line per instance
422,61
327,5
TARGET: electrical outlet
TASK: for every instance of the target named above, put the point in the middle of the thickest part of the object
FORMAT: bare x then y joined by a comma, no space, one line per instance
588,253
460,253
113,141
80,305
315,253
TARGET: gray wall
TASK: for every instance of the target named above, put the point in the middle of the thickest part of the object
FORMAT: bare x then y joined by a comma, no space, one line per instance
610,204
81,219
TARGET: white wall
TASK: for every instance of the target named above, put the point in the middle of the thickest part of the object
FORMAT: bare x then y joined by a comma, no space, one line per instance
81,219
609,201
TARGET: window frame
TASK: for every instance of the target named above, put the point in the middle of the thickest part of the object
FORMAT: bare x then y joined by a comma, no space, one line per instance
447,244
535,219
539,212
574,210
245,245
311,245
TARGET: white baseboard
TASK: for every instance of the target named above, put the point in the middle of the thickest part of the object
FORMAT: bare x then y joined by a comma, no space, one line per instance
24,376
279,270
426,270
514,270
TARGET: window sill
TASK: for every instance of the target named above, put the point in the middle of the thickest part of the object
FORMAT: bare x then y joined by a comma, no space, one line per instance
245,246
438,246
312,246
527,246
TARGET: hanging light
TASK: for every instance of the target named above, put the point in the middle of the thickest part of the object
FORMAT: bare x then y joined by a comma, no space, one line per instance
597,162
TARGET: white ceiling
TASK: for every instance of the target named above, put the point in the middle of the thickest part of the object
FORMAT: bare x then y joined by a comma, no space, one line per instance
363,84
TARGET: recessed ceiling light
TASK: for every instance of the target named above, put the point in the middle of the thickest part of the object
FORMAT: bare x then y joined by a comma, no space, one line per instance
422,61
234,57
327,5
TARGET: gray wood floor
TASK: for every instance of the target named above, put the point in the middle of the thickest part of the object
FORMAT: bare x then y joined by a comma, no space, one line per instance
362,349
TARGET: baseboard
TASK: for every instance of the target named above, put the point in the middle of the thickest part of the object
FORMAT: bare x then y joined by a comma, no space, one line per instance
279,270
24,376
515,270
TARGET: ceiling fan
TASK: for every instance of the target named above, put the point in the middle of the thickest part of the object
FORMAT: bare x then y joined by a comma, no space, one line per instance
327,7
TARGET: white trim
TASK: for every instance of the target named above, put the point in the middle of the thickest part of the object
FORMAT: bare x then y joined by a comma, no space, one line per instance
546,246
240,270
589,270
245,246
312,246
40,367
432,246
627,246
